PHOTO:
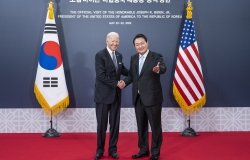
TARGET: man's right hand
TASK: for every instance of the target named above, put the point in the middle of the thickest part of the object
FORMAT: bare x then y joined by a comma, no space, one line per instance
121,84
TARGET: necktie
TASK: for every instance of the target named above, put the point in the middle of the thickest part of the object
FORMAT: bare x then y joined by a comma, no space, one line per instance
141,61
114,60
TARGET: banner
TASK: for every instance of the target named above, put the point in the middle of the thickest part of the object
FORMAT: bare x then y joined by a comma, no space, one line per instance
188,83
50,86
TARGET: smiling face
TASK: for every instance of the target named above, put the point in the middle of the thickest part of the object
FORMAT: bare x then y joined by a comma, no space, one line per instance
141,45
112,42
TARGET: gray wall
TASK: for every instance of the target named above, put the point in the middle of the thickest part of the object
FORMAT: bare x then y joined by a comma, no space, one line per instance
222,30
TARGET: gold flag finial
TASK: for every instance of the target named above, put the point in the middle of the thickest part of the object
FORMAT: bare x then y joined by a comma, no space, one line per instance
189,10
51,10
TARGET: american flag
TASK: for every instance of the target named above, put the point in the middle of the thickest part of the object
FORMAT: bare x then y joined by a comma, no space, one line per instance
188,83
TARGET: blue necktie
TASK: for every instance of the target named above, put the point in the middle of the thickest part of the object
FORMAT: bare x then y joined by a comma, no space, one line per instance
141,61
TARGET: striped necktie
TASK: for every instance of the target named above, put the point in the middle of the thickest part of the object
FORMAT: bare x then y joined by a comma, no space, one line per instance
114,60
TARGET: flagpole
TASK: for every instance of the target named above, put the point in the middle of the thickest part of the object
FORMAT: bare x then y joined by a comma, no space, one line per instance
189,131
51,132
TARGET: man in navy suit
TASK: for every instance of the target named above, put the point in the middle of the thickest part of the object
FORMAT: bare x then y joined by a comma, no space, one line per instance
145,70
109,67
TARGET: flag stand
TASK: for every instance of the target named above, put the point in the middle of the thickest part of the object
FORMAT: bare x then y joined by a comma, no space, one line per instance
51,132
189,131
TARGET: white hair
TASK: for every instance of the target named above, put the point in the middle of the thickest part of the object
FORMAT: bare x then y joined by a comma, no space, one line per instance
112,34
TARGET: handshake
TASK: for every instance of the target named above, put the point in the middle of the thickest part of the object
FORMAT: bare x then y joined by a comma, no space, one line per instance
121,84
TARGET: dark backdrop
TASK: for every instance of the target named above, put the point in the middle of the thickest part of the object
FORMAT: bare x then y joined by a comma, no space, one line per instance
222,30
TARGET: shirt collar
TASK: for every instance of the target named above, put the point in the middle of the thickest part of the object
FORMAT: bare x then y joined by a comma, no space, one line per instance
144,55
110,51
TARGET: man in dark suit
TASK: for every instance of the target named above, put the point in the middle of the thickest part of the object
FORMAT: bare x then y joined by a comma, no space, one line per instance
145,70
109,67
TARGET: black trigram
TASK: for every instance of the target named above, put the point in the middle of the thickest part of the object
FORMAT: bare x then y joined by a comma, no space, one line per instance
50,81
50,28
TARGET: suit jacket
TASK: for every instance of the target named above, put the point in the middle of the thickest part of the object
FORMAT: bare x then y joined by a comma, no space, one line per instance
107,76
148,83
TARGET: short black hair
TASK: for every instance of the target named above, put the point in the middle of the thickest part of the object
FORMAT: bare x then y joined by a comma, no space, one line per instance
140,36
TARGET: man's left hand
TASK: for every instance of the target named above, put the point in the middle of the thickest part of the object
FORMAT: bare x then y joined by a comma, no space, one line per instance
156,68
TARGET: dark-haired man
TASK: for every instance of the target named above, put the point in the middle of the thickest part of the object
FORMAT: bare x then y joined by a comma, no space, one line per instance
145,70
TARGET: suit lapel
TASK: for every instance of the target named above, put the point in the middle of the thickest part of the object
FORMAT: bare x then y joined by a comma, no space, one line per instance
109,58
136,61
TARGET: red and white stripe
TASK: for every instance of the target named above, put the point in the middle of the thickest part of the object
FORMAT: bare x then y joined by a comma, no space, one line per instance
188,77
